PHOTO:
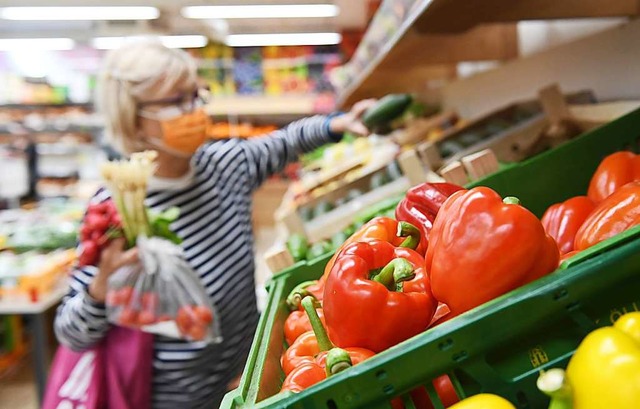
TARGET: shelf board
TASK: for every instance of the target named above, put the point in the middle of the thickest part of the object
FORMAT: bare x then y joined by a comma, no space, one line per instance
261,105
87,105
447,16
441,32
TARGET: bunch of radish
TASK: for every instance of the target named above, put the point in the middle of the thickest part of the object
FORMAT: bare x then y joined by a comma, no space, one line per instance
101,223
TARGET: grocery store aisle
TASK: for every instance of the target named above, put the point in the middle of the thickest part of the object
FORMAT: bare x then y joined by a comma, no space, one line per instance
17,389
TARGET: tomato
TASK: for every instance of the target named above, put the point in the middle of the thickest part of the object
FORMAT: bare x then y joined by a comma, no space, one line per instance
125,294
164,317
203,313
197,332
113,298
184,320
149,301
129,317
146,318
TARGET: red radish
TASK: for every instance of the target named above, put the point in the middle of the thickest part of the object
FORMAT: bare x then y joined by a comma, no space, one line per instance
129,317
204,313
125,294
113,298
149,301
197,332
146,318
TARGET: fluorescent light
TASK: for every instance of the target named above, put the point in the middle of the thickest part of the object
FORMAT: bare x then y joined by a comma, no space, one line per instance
177,41
261,11
80,13
12,44
255,40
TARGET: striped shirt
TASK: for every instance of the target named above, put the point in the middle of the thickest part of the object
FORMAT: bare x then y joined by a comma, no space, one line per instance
217,238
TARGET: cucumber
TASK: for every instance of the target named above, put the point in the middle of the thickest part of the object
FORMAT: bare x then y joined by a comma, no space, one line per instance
298,246
322,208
378,209
469,138
349,230
378,117
318,249
338,239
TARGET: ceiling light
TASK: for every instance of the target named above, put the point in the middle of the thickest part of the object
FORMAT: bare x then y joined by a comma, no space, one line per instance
261,11
12,44
255,40
80,13
177,41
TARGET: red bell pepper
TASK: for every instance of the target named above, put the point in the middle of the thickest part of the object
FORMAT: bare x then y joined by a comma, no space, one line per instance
401,234
372,308
615,214
562,220
307,288
422,202
297,323
309,346
482,247
310,373
615,171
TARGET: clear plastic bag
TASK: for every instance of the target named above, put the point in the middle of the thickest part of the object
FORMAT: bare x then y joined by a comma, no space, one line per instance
162,294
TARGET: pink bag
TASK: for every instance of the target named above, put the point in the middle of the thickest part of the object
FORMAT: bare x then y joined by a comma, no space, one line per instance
115,374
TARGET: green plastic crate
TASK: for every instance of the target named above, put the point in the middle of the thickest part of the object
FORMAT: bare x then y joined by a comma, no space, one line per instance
499,347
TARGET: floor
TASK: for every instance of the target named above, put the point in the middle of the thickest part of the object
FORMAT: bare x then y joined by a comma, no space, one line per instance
17,389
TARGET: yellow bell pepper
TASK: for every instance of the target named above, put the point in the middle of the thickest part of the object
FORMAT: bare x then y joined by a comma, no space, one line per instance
603,373
483,401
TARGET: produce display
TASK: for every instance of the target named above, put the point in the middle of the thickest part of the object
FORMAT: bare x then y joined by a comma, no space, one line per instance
450,250
604,372
160,293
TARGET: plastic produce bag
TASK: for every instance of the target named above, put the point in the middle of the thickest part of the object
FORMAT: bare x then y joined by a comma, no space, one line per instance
162,294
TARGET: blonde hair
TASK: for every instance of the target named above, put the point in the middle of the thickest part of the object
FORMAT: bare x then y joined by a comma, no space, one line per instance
140,70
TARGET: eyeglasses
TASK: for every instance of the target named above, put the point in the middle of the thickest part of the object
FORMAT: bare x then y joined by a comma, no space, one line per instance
187,102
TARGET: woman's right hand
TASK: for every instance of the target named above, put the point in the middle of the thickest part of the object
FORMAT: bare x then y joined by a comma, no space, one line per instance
112,258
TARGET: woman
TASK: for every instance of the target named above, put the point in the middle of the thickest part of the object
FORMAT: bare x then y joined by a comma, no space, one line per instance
148,95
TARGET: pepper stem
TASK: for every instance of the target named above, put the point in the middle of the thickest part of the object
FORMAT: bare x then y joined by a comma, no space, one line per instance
298,293
511,200
397,271
411,232
555,384
308,303
337,361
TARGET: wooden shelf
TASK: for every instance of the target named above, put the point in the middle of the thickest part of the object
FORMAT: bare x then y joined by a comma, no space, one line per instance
250,105
439,33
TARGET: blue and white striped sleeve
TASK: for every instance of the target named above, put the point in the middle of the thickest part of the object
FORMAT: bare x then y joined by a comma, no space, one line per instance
270,154
81,321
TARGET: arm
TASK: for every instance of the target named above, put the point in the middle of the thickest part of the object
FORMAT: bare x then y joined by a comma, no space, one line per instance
81,320
265,156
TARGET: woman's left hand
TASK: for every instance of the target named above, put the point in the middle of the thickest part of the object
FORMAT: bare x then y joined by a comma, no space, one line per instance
350,121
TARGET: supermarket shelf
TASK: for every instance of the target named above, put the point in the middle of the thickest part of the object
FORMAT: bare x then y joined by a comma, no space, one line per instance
339,218
87,105
449,31
251,105
23,306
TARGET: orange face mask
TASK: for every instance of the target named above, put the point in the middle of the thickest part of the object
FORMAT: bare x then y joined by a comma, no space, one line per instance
182,133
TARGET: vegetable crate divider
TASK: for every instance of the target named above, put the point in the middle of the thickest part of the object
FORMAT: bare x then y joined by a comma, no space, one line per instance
499,347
